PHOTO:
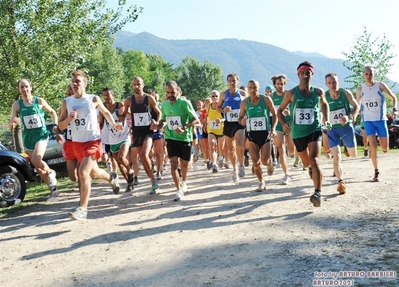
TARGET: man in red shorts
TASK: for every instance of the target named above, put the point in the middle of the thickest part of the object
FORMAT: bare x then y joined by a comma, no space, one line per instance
80,111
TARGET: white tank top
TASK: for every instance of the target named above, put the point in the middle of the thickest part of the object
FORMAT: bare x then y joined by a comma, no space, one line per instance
114,136
85,127
373,104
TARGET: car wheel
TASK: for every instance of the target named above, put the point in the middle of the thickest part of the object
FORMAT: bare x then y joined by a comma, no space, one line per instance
12,186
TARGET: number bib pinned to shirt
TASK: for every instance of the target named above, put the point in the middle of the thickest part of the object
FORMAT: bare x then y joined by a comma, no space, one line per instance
32,121
173,122
258,124
81,124
215,125
232,116
304,116
335,115
141,119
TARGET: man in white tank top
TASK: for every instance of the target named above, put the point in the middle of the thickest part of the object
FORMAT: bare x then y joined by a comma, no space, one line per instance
80,111
371,98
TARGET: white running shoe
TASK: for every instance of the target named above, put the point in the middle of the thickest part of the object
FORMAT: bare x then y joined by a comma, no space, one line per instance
179,195
286,180
241,171
183,186
261,187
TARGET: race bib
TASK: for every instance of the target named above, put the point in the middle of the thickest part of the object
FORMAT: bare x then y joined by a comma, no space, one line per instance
32,121
232,116
81,124
335,115
258,124
215,126
304,116
371,105
141,119
173,122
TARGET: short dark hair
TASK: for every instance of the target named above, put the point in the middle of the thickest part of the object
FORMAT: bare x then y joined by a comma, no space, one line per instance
305,63
277,77
234,75
108,89
332,75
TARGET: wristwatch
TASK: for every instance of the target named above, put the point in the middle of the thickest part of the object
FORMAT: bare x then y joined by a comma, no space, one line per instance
183,128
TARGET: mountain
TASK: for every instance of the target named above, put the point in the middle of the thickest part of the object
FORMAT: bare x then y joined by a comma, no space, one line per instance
248,59
309,55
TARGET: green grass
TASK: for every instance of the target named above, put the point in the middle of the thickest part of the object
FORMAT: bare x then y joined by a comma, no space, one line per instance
37,192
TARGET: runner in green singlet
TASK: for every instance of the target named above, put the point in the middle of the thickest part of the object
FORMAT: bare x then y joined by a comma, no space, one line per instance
306,103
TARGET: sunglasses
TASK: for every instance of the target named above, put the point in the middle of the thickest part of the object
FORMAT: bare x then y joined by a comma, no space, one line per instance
214,96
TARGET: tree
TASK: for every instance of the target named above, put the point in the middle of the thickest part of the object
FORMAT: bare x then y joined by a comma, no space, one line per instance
105,69
45,40
135,64
198,80
369,52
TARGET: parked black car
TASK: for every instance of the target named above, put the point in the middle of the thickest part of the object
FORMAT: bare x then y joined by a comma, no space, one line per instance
359,136
15,170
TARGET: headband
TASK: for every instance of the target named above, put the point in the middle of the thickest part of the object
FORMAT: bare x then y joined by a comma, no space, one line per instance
302,68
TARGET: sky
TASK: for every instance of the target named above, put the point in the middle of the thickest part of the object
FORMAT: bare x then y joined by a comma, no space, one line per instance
328,27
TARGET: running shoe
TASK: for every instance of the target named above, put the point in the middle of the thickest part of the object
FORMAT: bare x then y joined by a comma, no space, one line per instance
130,179
195,158
221,163
296,162
346,151
246,160
286,180
129,188
159,176
315,198
241,171
375,179
366,152
179,195
261,187
274,163
79,214
209,165
154,186
278,165
341,187
215,169
226,165
54,193
114,183
183,186
52,180
135,180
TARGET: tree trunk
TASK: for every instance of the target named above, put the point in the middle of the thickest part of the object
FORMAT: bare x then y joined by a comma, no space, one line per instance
17,139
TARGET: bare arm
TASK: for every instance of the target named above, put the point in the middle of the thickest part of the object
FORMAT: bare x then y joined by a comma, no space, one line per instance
288,98
270,105
242,118
353,102
64,119
384,88
324,107
46,107
219,108
108,116
14,119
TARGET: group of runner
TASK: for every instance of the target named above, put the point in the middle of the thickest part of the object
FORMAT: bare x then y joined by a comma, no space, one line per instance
228,125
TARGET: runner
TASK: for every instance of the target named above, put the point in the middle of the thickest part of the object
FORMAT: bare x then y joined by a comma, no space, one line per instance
306,103
215,123
254,112
28,112
140,106
80,111
180,117
282,141
371,97
341,117
229,104
119,141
